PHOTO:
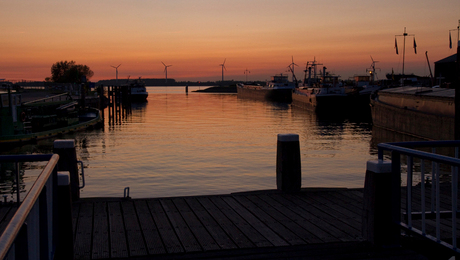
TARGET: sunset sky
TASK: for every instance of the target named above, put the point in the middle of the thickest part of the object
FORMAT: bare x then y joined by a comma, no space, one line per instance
195,36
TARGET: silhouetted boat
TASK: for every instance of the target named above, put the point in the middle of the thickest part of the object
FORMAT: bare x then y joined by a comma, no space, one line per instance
321,93
138,91
44,118
279,89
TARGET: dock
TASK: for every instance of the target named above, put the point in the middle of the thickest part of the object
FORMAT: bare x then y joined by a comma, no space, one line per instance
310,224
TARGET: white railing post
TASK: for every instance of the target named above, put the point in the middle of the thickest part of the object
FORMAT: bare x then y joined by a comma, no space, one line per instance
378,225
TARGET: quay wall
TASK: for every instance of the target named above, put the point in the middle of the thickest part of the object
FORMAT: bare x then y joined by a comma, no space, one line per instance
413,122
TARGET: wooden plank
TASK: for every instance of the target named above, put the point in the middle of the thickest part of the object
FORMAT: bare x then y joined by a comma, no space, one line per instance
100,231
170,239
225,223
84,232
307,236
75,212
258,239
118,245
333,225
300,217
149,229
202,235
136,244
285,234
339,211
215,230
181,228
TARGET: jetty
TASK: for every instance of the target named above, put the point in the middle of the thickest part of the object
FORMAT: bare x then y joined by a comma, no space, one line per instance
406,210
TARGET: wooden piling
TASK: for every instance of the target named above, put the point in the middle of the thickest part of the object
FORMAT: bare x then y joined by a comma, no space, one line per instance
288,168
68,162
378,223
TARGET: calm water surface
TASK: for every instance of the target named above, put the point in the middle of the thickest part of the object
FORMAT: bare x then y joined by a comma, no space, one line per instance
200,144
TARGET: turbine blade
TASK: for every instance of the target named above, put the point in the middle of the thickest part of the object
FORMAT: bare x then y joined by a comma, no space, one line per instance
163,64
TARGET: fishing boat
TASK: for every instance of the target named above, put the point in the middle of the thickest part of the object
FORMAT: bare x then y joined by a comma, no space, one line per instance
278,89
320,92
138,91
44,118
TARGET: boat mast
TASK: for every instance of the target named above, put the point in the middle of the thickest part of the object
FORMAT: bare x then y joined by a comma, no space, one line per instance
313,64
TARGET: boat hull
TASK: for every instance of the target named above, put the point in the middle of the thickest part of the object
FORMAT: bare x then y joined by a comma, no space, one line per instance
265,94
92,122
318,103
429,115
139,97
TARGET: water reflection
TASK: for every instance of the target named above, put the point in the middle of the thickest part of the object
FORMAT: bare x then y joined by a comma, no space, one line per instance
178,144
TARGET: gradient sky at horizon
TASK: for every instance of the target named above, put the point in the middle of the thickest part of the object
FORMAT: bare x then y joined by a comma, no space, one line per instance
195,36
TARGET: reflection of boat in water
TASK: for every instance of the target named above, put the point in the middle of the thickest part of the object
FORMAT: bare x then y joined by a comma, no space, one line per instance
321,93
43,118
138,91
279,89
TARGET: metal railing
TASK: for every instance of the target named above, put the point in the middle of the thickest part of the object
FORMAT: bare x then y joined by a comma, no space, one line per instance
31,233
430,191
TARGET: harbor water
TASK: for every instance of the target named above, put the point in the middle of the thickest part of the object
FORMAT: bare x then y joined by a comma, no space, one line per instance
179,144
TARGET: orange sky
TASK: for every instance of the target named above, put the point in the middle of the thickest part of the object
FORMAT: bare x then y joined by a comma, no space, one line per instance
195,36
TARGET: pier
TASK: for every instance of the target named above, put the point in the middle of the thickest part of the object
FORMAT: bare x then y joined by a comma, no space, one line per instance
385,219
310,224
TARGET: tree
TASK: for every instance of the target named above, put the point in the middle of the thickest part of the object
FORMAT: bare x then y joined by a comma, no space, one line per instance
69,72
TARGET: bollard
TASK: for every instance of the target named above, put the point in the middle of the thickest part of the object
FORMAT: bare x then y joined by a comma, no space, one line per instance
64,248
378,225
68,162
288,170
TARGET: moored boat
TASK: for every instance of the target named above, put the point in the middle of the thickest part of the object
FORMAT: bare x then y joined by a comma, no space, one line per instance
44,118
427,113
279,89
138,91
321,93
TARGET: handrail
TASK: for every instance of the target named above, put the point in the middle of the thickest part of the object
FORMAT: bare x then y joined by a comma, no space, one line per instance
406,148
12,230
419,154
52,98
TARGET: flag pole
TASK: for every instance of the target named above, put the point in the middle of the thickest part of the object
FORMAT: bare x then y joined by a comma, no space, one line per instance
404,50
458,35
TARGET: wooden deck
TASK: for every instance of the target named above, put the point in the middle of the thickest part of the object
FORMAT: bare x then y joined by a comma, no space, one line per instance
314,223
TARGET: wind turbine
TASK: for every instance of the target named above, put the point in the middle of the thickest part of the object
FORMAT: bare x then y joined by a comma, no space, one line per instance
116,68
371,70
166,71
223,67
